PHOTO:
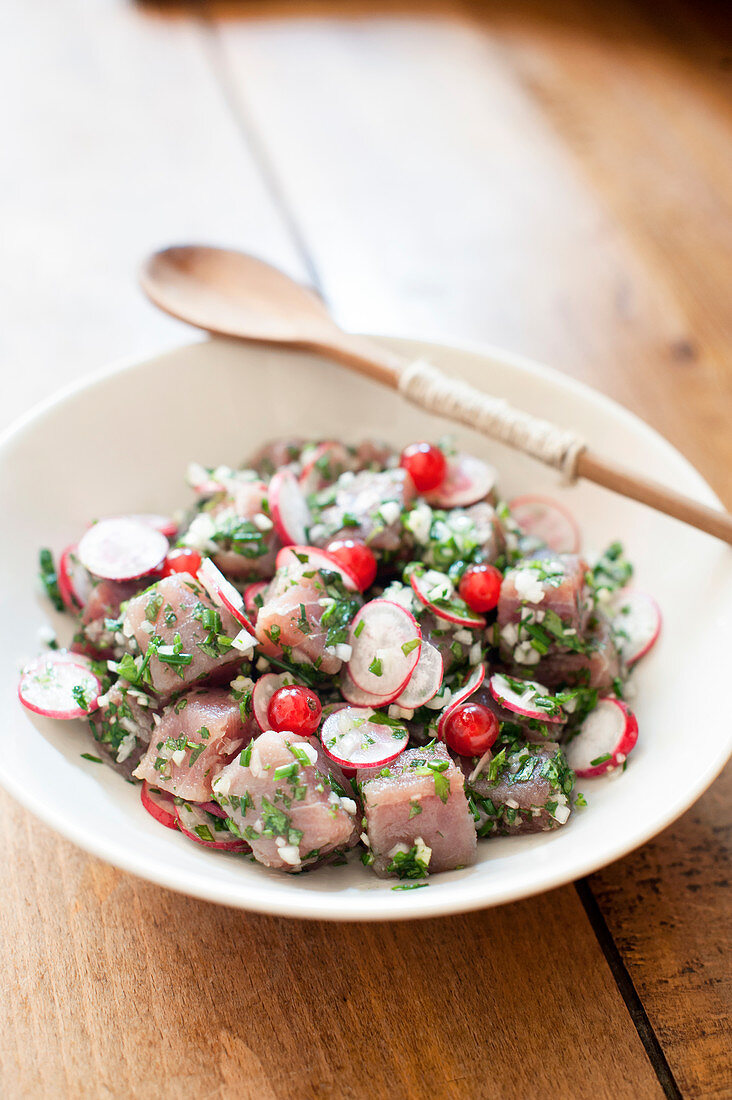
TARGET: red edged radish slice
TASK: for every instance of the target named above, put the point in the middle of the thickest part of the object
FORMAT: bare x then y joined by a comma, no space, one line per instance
223,593
74,582
324,466
359,737
122,549
164,524
160,805
331,708
288,507
312,557
352,693
263,691
548,521
468,480
251,592
636,623
425,681
385,642
528,698
605,738
437,592
461,695
206,829
60,685
213,808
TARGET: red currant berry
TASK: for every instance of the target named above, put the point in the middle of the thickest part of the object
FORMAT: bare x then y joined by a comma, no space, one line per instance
425,464
182,561
480,587
471,729
296,709
356,559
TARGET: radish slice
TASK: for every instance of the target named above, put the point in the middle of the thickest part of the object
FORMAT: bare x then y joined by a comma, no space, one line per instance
528,698
607,735
326,463
289,508
331,708
385,642
425,681
636,623
468,480
213,808
352,693
547,521
460,696
251,603
263,691
437,592
164,524
206,829
359,737
160,805
122,549
223,593
60,685
315,558
74,582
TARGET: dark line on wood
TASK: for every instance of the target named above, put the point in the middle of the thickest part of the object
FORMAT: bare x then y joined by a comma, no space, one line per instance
628,992
258,150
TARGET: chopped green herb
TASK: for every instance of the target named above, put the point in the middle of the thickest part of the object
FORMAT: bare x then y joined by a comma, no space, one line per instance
49,577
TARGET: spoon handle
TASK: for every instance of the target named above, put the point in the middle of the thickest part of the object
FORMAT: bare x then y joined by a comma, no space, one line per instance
425,385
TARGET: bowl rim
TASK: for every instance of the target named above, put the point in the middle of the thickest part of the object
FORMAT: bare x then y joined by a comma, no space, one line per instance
361,907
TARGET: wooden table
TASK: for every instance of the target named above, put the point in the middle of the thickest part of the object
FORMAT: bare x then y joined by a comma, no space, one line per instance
553,178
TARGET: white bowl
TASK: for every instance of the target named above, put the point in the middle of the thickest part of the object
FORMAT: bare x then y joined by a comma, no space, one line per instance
122,441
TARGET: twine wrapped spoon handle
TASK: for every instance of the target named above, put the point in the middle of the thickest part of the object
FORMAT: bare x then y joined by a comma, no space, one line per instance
232,294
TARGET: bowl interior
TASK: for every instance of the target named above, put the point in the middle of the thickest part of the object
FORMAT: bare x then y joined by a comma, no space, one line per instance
122,443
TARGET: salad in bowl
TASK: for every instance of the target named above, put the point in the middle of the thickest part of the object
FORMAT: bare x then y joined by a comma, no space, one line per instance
344,652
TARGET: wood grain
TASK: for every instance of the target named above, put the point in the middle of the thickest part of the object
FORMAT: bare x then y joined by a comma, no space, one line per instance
667,907
120,989
120,141
600,148
549,178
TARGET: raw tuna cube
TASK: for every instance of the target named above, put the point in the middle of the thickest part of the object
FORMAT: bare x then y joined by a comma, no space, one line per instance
548,587
417,815
528,792
487,529
453,642
196,737
236,531
459,534
124,724
291,619
271,456
598,667
105,600
374,454
282,798
367,507
187,631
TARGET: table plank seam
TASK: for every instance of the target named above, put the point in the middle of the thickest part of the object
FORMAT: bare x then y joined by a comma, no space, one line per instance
629,993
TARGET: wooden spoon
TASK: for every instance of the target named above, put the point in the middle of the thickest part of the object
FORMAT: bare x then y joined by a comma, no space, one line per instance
232,294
